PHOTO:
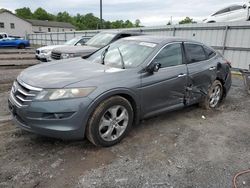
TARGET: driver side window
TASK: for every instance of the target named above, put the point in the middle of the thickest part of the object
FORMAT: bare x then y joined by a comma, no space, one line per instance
169,56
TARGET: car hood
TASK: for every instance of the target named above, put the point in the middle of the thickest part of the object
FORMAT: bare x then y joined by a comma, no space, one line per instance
50,47
75,49
62,73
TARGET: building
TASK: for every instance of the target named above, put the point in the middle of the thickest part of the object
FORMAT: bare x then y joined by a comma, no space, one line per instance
41,26
15,26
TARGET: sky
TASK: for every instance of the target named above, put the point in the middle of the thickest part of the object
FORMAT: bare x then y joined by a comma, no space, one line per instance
150,12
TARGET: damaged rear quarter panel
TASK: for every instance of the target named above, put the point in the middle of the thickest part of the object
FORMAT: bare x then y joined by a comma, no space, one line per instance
201,75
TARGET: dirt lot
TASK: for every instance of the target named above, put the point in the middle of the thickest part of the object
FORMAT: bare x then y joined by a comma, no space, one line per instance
179,149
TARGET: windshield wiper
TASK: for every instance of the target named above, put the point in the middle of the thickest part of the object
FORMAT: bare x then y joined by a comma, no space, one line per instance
122,60
104,55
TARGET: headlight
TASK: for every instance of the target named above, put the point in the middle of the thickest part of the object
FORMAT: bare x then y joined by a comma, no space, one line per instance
66,56
45,51
55,94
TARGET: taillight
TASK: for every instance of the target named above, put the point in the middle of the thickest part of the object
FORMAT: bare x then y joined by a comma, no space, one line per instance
228,63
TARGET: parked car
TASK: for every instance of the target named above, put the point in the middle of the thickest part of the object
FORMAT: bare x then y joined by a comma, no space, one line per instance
230,14
102,96
3,35
44,53
13,42
95,43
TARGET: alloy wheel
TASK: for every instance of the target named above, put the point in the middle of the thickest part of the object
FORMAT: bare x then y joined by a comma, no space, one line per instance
113,123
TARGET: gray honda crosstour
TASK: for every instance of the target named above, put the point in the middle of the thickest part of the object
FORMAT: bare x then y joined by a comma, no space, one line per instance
103,95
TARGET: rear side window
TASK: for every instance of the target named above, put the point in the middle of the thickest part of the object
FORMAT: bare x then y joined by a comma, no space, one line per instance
210,53
221,11
124,35
236,7
195,53
169,56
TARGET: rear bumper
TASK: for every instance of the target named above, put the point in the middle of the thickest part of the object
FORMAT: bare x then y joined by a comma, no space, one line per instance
58,119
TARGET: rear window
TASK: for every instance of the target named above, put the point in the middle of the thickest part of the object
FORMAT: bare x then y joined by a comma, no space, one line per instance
210,53
221,11
236,7
195,53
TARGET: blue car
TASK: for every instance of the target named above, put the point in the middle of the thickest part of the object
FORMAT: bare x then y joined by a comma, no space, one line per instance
14,42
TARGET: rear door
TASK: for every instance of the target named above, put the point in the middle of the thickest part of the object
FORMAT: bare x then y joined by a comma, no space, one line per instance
12,42
237,13
202,69
165,89
4,42
222,15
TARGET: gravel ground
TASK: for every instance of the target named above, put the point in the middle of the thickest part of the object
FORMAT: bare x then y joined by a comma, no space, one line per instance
177,149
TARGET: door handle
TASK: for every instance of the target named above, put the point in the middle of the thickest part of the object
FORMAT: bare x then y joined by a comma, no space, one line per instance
181,75
212,68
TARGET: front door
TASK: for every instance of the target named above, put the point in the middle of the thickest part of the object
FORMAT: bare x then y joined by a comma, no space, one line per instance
166,88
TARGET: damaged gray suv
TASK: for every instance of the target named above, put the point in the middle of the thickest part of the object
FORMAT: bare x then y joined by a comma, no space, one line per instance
103,95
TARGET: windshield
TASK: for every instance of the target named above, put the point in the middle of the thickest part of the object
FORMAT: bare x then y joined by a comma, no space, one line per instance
123,53
72,41
100,40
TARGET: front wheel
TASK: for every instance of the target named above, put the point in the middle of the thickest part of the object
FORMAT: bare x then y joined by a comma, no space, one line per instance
214,96
110,122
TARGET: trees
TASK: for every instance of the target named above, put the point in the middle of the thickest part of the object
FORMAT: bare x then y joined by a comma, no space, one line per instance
24,12
187,20
81,22
137,23
41,14
64,17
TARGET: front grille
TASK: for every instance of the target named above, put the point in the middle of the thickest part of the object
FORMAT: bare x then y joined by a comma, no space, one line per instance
22,94
37,52
56,55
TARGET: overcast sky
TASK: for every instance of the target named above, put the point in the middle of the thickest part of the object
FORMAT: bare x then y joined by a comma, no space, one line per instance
150,12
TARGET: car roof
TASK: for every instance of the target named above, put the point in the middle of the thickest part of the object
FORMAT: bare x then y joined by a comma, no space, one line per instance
159,39
133,33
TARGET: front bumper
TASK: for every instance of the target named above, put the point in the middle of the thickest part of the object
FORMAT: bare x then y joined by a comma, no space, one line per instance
43,57
65,119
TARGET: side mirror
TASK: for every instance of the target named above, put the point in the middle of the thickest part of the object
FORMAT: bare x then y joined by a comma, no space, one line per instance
244,6
78,44
153,67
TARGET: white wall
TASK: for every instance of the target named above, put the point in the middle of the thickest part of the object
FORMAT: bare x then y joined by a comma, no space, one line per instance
35,29
21,27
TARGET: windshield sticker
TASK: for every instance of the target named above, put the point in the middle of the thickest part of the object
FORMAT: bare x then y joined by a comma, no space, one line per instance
148,44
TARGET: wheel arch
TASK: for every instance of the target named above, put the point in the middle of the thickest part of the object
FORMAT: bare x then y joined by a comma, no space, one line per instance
223,87
21,44
123,92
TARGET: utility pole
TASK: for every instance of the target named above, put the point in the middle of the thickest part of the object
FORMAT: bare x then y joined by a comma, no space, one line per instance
101,14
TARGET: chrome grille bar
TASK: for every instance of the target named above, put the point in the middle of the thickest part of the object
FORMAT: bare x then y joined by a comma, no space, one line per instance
20,98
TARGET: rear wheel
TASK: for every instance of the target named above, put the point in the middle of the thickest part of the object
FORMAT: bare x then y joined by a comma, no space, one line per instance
21,46
110,122
214,96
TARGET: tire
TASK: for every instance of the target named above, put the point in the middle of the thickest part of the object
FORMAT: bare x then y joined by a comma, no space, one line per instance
21,46
213,97
106,127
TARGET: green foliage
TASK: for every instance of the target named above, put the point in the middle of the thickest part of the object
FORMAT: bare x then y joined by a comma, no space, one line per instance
137,23
81,22
41,14
24,12
187,20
